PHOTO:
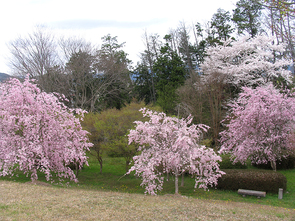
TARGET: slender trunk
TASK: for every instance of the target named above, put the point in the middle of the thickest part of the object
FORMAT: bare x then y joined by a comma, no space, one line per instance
182,180
100,163
127,165
176,181
273,165
150,61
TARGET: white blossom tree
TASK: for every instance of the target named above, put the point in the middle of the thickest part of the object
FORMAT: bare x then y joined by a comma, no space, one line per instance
246,62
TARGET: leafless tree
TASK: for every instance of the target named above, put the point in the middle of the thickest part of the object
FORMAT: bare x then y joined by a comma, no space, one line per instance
148,58
33,55
280,20
72,45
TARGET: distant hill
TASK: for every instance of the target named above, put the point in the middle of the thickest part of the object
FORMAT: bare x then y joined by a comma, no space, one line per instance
3,76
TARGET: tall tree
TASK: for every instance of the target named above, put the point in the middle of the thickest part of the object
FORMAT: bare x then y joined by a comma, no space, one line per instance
200,45
81,73
280,20
247,17
248,61
144,84
171,74
73,45
220,28
114,65
144,74
186,49
33,55
282,5
193,98
228,67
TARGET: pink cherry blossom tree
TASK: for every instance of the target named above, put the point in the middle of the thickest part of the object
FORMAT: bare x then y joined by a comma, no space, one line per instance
38,132
171,144
261,121
244,62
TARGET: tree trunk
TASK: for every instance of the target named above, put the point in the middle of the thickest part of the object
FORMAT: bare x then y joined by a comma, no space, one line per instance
100,163
176,181
273,165
127,165
182,179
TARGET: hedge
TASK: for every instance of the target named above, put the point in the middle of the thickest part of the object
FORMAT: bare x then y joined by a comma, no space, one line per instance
260,180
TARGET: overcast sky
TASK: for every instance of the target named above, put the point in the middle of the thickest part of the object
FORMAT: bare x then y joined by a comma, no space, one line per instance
93,19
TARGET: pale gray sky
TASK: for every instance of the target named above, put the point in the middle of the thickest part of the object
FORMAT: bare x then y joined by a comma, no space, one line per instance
93,19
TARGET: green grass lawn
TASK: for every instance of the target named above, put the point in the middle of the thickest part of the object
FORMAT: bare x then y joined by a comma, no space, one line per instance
113,179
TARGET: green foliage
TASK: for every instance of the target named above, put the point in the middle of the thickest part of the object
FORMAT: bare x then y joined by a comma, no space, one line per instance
109,131
114,65
220,26
167,98
200,52
227,163
261,180
96,137
247,16
170,74
144,81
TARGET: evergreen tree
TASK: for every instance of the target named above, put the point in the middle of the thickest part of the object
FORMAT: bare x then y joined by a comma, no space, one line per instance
220,27
247,16
114,65
143,88
170,74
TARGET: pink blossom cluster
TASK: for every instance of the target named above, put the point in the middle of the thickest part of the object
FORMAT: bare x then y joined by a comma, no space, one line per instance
261,123
170,145
38,132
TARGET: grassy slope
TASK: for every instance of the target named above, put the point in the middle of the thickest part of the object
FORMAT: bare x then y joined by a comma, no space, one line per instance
113,179
21,201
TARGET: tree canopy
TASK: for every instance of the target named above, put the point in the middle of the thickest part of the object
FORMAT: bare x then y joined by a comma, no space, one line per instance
39,133
261,122
172,144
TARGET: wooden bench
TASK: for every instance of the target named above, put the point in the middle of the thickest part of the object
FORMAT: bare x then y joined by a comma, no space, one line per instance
259,194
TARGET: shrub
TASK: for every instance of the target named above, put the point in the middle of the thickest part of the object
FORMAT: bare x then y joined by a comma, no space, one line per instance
283,164
228,164
260,180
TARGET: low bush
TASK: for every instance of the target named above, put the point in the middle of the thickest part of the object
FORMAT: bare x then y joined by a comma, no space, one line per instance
284,164
228,164
260,180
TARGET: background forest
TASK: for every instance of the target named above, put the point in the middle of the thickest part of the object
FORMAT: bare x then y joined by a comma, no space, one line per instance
191,70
